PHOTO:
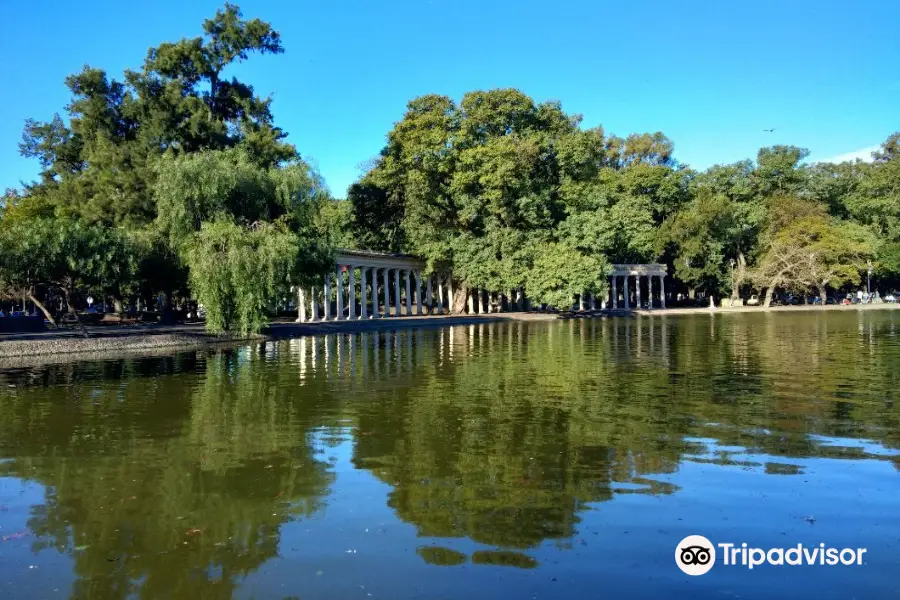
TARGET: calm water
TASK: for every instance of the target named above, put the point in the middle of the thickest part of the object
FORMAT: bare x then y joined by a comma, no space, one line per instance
519,460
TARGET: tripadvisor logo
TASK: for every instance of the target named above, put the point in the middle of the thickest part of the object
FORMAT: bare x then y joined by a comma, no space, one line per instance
696,555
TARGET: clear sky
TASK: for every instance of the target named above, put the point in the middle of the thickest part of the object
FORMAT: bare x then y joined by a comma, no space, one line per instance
710,74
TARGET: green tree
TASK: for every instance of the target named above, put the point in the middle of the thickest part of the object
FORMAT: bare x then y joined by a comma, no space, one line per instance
97,164
243,232
65,256
236,272
813,251
485,189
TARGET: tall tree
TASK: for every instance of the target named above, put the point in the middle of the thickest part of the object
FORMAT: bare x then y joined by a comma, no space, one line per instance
97,165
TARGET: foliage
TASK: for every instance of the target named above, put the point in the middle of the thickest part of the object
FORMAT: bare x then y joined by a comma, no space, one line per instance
67,256
99,165
559,273
487,188
235,271
181,161
812,252
193,188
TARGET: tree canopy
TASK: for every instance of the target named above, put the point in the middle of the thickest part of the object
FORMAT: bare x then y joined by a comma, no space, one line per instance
175,172
175,153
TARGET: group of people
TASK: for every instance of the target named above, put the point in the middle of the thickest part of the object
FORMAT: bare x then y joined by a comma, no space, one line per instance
864,297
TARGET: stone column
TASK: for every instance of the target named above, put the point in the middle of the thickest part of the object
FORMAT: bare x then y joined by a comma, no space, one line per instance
418,277
301,305
339,294
637,291
627,299
409,300
615,292
374,279
363,295
397,305
314,293
662,292
429,295
387,293
351,295
327,304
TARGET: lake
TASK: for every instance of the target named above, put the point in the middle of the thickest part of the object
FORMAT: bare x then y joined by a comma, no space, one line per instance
507,459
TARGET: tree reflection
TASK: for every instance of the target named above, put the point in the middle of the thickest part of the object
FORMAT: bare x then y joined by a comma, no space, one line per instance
160,488
510,440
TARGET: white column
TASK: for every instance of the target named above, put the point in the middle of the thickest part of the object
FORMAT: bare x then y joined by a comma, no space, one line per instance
582,301
339,294
637,291
387,293
440,291
429,295
627,299
615,292
351,293
327,300
301,305
418,277
471,301
363,295
397,305
662,292
409,300
314,293
374,279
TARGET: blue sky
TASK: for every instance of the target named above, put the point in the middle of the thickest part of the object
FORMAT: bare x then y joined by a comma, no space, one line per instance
711,75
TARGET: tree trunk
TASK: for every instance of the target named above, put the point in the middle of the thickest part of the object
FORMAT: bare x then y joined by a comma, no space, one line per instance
118,306
43,309
770,292
460,298
168,315
739,277
71,308
822,293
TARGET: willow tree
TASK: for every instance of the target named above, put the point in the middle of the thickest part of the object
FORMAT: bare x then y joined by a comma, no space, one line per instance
244,233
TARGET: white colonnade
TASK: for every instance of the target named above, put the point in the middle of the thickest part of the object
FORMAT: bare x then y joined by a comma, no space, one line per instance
636,279
373,285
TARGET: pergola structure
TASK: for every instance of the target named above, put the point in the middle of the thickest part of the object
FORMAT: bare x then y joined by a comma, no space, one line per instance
374,285
366,285
630,293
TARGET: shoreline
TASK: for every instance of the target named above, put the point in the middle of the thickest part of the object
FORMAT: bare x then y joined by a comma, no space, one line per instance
26,349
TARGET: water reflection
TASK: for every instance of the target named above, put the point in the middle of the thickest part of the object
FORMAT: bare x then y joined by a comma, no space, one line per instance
181,476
